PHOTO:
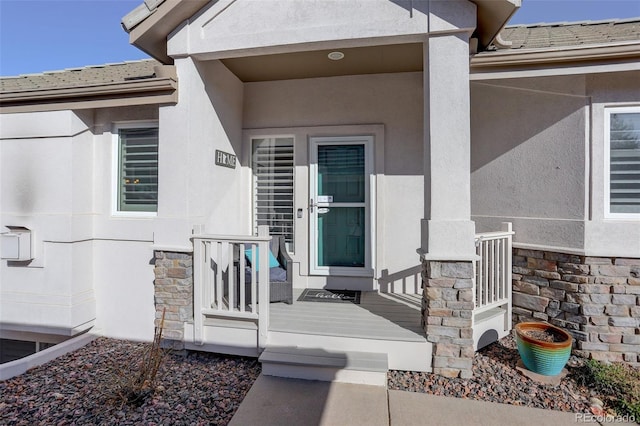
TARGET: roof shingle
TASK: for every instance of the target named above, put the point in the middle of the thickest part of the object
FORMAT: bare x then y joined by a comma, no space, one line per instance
77,77
565,34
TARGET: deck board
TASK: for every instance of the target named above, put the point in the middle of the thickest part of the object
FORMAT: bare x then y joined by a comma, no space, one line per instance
379,316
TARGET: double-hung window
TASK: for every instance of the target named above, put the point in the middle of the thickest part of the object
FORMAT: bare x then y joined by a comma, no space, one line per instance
136,154
622,162
273,186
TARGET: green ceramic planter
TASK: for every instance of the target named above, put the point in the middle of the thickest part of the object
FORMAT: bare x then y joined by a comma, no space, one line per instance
546,358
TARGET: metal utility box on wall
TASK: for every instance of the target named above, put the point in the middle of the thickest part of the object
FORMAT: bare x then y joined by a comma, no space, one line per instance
16,244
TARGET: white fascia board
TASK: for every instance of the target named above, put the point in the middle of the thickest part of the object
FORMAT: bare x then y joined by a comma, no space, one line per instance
556,61
553,71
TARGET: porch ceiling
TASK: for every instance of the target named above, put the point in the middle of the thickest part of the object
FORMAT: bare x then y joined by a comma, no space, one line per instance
310,64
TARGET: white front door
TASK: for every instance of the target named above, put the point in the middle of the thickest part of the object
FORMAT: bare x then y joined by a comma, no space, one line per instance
341,187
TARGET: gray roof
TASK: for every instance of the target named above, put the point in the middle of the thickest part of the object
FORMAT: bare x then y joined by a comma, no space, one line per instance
565,34
77,77
534,36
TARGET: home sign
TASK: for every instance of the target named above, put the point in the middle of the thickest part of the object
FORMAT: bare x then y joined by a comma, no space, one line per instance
225,159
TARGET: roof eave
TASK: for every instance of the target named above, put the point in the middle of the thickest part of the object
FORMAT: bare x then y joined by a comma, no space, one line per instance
148,30
565,54
492,17
160,90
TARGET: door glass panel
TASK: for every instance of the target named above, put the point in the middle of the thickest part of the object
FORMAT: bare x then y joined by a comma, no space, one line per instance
341,173
341,239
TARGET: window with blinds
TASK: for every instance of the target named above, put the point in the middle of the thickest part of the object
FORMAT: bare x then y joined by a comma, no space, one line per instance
624,161
273,177
138,170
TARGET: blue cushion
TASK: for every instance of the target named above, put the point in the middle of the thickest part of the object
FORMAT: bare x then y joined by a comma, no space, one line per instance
273,262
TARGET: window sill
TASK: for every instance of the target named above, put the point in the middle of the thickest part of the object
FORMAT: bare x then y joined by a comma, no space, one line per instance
134,215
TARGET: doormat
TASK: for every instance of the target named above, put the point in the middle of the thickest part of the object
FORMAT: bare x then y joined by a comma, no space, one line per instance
330,296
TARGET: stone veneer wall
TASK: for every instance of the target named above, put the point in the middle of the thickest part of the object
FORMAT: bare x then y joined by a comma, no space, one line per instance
596,299
173,291
447,309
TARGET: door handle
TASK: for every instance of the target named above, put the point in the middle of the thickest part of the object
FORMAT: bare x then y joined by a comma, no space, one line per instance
311,205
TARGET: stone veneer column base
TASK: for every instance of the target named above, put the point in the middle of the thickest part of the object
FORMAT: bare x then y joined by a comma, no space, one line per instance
596,299
447,309
173,293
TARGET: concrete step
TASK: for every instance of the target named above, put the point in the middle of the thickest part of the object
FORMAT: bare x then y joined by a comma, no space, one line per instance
401,355
367,368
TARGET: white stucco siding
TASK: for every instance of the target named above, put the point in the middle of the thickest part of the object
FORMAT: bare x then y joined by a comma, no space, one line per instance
47,181
231,27
36,180
47,186
44,124
448,15
609,237
192,189
57,298
528,159
391,100
57,179
123,277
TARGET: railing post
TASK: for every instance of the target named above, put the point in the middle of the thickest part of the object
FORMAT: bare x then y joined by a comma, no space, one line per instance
477,290
231,280
263,293
198,272
508,227
241,276
219,276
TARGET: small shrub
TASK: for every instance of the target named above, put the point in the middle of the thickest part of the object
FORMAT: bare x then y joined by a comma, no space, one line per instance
617,381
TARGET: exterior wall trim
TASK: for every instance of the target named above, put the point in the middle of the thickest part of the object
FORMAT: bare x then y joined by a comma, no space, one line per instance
175,249
47,330
445,257
566,250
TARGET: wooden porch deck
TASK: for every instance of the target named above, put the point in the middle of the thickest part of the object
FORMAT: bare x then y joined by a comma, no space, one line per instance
379,316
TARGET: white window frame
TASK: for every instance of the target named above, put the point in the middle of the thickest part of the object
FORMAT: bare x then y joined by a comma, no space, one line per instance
115,168
607,161
290,250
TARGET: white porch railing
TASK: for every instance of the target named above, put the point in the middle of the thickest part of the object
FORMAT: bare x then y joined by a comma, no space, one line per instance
492,286
220,288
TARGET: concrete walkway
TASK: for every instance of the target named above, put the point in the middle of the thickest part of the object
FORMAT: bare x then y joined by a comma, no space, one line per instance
279,401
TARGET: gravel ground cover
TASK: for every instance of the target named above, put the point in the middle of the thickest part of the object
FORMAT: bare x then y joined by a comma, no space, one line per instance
201,388
196,389
496,379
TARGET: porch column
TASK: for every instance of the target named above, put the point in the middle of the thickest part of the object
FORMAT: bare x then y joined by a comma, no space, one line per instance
447,230
447,244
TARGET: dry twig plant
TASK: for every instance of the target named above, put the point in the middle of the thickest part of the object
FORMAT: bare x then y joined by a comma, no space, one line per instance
134,383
